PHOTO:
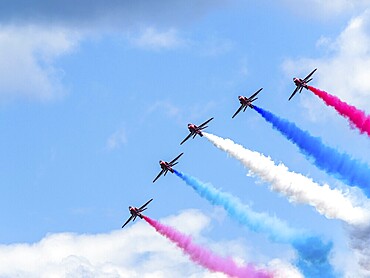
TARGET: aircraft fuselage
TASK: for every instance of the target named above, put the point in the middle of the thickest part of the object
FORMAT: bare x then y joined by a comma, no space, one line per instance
244,100
135,212
194,129
299,82
165,166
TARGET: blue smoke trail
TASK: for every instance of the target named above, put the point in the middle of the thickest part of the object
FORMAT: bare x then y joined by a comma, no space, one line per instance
340,165
312,252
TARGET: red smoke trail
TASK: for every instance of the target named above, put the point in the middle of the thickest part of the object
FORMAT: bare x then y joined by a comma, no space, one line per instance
205,257
356,117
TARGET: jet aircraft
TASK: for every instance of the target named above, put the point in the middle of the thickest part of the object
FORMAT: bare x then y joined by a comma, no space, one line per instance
301,83
246,102
135,212
167,166
194,130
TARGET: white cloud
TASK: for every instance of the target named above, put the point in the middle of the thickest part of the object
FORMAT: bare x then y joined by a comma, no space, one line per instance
137,251
168,107
26,61
116,140
151,38
214,46
196,113
360,242
33,35
28,54
345,70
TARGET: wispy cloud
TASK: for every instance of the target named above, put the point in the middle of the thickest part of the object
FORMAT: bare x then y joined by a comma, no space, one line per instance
197,111
27,57
116,140
214,46
168,108
151,38
33,35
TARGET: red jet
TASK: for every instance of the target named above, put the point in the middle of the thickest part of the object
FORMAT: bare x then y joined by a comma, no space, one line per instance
194,130
301,83
135,212
167,166
246,102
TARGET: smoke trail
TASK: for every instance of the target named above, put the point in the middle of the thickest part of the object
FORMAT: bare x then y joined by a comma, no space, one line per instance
356,117
298,188
340,165
276,229
312,252
205,257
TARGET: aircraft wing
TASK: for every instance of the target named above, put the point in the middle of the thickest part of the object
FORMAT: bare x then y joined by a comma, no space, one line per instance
308,76
206,122
237,111
143,206
295,91
186,138
128,220
160,174
256,93
172,161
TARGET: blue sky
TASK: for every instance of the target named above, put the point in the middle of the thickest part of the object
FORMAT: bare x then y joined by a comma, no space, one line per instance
93,95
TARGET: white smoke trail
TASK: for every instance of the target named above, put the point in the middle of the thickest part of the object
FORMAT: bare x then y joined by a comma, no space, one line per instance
298,188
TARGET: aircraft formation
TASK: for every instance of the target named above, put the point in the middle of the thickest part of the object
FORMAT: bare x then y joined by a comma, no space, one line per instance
195,130
329,202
